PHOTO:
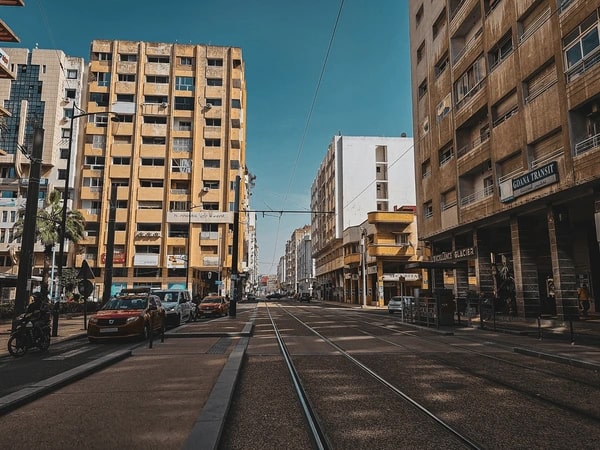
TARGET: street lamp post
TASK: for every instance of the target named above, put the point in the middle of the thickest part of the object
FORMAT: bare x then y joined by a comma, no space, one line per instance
63,222
363,243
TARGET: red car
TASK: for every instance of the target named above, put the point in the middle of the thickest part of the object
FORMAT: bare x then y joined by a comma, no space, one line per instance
213,305
130,314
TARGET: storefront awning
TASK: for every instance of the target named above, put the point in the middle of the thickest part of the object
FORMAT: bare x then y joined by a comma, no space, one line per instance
433,265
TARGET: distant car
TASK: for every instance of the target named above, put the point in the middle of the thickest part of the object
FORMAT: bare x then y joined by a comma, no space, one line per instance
251,298
132,313
305,297
400,302
178,306
274,295
213,305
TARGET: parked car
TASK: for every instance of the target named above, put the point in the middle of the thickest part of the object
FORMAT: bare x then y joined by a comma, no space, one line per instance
132,313
304,297
213,305
274,295
400,302
178,306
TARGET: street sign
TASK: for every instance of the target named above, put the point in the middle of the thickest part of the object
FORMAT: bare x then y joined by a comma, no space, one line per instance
85,273
85,288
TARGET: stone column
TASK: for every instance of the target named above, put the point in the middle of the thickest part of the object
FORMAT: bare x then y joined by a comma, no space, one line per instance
563,266
524,266
483,265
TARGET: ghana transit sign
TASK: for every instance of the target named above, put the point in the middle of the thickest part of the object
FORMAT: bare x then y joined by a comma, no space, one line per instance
528,182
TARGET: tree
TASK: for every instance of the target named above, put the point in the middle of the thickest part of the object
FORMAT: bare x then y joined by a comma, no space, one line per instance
48,230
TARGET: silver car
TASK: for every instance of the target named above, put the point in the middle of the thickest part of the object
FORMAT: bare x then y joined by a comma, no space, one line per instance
400,303
178,306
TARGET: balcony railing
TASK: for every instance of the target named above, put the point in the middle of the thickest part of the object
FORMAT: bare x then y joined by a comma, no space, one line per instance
467,46
588,144
542,160
469,95
483,137
583,65
476,196
535,25
545,83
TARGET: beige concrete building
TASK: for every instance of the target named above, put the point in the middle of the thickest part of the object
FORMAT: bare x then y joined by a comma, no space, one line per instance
506,108
174,153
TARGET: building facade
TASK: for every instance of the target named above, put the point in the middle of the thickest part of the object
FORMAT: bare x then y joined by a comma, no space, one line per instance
170,160
358,175
297,267
506,114
45,85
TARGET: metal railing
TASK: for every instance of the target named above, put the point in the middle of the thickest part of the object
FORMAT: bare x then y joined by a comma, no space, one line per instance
587,144
477,196
483,137
583,65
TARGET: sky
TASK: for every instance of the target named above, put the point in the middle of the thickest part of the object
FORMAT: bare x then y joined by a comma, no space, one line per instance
313,68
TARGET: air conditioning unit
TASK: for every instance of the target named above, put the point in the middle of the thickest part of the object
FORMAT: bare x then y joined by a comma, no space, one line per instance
163,105
205,189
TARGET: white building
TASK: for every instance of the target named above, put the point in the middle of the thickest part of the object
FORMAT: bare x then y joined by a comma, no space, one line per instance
358,175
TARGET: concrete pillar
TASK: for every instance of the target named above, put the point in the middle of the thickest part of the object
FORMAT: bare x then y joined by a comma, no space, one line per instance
523,239
483,266
563,266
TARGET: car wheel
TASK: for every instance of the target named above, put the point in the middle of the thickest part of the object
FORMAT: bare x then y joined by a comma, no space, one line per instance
178,321
146,332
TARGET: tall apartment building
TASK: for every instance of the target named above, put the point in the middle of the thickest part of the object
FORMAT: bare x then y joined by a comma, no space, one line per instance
293,270
41,94
506,109
173,154
358,175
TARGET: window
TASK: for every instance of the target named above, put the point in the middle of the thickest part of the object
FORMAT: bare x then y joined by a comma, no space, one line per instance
445,154
183,125
214,62
419,15
214,101
469,83
62,174
94,161
214,82
533,21
210,206
184,84
212,163
121,160
65,133
149,204
100,98
152,183
128,77
184,103
236,103
582,41
92,182
425,169
102,78
182,144
441,65
160,79
181,165
428,210
100,120
124,118
449,199
539,82
125,98
211,184
212,142
500,51
423,89
443,108
154,140
153,99
152,162
72,74
155,120
64,153
70,93
67,113
102,56
159,59
120,139
128,57
420,52
234,164
121,204
186,61
211,122
402,239
505,108
439,23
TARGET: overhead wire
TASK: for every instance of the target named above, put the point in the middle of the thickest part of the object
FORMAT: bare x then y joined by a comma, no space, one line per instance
307,125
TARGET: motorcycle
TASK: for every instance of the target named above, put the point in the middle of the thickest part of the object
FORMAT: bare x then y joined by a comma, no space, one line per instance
26,335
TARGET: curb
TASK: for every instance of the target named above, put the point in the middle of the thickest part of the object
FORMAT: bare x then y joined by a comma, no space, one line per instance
207,430
36,390
558,359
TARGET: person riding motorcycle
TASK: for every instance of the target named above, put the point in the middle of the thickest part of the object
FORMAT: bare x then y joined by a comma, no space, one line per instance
39,312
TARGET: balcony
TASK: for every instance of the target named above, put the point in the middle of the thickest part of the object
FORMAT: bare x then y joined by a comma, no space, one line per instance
477,196
588,144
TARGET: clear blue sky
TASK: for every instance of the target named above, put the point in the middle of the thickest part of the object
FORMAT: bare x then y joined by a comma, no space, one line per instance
364,90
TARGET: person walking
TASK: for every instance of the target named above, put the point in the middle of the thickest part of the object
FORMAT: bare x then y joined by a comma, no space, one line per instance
583,295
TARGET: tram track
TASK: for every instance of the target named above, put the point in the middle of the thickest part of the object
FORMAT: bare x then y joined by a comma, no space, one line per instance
317,426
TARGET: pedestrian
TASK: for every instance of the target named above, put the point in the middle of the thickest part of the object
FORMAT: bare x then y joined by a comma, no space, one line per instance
583,295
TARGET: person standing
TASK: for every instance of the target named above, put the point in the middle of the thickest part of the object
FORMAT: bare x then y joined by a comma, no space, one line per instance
583,295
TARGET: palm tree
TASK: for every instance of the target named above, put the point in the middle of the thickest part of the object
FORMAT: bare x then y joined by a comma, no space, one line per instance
48,230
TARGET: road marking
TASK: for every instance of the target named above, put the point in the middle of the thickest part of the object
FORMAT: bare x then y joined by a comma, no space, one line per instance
66,355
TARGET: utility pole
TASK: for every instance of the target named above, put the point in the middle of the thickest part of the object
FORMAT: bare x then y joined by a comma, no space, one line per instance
110,245
28,240
234,254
